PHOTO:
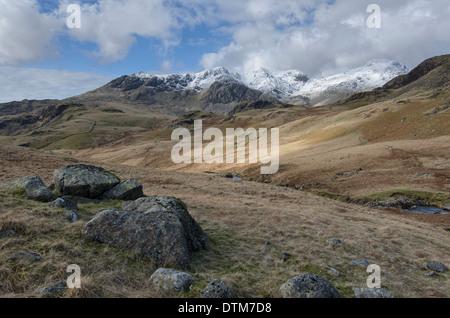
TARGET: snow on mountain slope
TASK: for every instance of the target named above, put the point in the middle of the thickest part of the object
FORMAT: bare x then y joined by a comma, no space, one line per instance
374,74
285,85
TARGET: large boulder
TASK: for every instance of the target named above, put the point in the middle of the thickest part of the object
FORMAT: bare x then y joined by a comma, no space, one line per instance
83,181
170,281
173,209
165,234
32,188
130,189
308,286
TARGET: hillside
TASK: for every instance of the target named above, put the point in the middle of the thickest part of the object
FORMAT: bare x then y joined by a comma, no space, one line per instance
348,170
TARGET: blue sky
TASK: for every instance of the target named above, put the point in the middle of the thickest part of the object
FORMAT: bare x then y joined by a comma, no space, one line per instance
41,58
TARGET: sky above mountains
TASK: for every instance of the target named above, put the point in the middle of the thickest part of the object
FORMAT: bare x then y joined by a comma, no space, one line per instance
41,57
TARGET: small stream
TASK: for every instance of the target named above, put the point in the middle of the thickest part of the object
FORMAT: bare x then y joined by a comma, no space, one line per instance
427,210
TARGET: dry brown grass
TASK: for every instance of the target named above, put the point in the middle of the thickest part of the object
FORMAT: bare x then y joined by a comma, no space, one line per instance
239,218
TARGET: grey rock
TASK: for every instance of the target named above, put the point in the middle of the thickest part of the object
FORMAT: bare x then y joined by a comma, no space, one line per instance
32,188
25,256
54,289
71,216
166,206
64,204
360,262
446,207
130,189
446,228
308,286
169,280
372,293
285,257
335,241
431,274
166,234
8,234
83,181
435,266
217,289
334,270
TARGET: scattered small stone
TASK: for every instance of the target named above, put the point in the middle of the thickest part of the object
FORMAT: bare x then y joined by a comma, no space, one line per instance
71,216
360,262
169,280
217,289
308,286
64,204
25,256
431,274
54,289
8,234
285,257
334,270
335,241
435,266
372,293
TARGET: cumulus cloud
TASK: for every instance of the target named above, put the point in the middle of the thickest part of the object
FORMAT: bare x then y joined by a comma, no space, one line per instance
32,83
322,37
25,34
318,37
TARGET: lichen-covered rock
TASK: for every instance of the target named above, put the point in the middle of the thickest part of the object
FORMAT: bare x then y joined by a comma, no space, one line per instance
32,188
217,289
169,280
130,189
372,293
166,234
170,207
308,286
83,181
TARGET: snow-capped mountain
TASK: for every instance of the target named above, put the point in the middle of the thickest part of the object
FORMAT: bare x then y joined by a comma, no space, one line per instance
286,85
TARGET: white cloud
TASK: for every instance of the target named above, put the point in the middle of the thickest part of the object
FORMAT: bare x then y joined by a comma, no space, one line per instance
18,83
275,35
315,36
25,34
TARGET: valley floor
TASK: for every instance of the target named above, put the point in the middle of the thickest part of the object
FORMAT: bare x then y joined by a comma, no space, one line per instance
250,225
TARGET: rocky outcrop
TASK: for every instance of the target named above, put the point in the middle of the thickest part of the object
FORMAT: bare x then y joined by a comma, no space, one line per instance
83,181
171,281
33,188
308,286
160,228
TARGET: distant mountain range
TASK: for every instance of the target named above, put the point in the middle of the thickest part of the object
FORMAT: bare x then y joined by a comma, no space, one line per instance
219,90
